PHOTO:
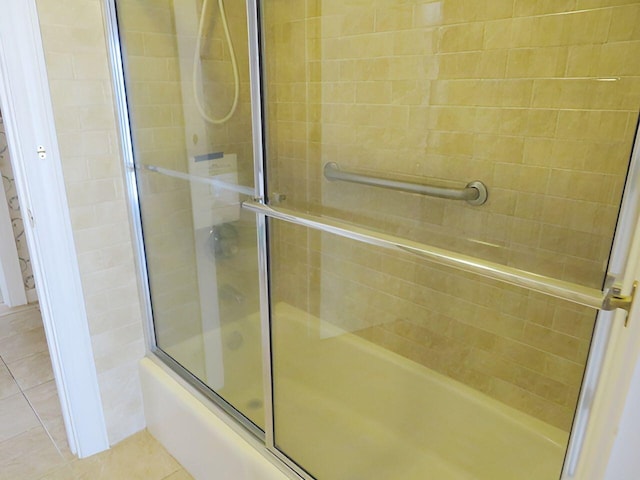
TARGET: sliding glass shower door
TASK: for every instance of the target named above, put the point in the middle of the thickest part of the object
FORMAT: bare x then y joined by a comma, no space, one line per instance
377,233
393,355
187,86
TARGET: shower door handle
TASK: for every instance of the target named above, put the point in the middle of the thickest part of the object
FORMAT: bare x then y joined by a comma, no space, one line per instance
609,299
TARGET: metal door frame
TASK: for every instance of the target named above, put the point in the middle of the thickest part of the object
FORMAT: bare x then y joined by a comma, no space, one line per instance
605,321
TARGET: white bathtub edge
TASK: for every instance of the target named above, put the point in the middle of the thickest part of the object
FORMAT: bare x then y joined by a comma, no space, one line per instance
206,446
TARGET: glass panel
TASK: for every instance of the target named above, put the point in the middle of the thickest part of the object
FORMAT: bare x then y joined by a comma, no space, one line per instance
538,100
386,366
200,248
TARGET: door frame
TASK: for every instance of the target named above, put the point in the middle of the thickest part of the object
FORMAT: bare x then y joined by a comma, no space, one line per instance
615,397
25,101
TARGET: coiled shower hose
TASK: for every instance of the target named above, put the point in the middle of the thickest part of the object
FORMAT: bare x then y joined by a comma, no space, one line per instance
234,65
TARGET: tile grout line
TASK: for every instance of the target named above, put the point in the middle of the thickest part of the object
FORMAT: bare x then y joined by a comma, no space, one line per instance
44,427
33,409
21,392
10,373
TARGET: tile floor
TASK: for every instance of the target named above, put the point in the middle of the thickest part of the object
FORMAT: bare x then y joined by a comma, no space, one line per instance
33,443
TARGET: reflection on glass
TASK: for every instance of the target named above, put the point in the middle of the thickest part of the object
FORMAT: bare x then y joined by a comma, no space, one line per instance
400,381
189,104
514,95
518,95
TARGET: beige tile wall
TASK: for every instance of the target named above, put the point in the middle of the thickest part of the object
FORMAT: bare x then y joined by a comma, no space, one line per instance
389,74
293,147
235,135
537,99
159,40
76,56
150,48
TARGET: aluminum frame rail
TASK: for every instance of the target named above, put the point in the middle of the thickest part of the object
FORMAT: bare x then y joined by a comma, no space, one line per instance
200,179
609,299
474,193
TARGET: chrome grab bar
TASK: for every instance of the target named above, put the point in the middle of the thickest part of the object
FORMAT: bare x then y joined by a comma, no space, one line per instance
578,294
474,192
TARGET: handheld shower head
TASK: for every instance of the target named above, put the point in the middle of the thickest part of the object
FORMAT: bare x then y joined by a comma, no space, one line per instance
234,66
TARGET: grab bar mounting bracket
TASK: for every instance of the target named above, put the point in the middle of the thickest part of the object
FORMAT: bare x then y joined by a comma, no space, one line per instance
482,192
615,299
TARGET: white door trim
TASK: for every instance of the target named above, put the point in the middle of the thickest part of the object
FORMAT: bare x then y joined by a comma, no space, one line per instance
26,105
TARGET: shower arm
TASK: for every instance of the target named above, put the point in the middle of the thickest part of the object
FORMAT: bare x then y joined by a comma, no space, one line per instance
474,193
609,299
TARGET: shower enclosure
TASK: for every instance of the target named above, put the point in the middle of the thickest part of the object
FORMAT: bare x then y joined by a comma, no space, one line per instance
378,233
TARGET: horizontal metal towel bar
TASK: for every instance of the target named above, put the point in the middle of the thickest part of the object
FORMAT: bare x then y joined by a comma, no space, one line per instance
474,193
208,180
589,297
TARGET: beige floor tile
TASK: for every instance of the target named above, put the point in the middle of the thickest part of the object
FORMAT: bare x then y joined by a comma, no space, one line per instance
139,457
58,433
16,416
32,370
28,456
179,475
23,344
27,451
44,400
8,385
63,473
19,322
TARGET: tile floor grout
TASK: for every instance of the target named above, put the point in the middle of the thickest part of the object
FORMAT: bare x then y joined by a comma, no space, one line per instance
138,457
26,398
42,424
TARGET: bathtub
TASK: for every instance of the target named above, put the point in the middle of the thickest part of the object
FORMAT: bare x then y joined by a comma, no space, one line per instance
332,420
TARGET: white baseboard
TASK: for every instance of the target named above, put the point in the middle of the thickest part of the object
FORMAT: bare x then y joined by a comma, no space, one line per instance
6,309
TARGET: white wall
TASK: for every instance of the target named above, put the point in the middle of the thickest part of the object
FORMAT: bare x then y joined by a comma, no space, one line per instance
625,461
25,101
